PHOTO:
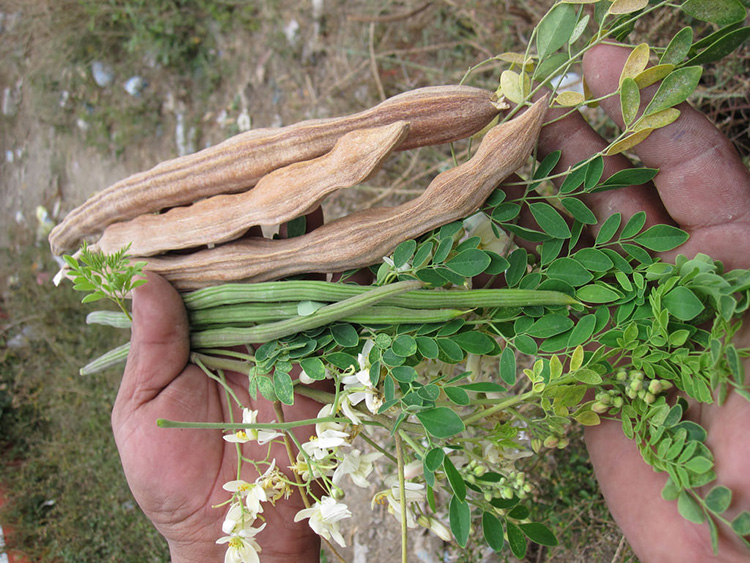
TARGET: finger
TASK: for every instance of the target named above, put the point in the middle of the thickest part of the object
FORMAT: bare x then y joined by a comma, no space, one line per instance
632,489
702,182
577,141
159,344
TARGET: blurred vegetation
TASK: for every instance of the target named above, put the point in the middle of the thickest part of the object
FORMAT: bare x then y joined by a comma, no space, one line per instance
69,499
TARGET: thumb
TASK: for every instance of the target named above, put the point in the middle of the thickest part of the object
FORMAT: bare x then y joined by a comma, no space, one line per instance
159,343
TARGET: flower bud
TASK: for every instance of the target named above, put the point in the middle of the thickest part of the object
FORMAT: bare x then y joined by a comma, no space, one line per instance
551,441
621,375
599,407
617,402
649,398
655,387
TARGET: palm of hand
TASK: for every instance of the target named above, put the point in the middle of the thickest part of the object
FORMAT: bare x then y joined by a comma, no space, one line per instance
177,475
703,188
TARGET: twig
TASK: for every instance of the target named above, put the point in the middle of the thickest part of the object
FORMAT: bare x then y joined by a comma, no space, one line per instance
618,553
390,18
374,63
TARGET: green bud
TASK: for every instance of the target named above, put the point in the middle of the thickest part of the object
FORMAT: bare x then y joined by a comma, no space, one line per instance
618,402
480,470
551,441
507,493
621,375
649,398
655,387
599,407
636,374
636,385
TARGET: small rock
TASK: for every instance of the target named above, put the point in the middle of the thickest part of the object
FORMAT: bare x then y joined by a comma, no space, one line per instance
103,74
135,85
290,31
243,121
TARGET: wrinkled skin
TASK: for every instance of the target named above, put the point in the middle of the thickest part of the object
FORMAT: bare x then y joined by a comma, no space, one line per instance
176,475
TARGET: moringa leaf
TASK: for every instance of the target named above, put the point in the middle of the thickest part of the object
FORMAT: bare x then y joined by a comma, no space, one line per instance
721,12
555,29
675,89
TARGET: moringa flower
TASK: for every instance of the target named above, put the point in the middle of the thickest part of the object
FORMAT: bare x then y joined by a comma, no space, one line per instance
357,466
414,492
253,493
324,517
242,546
359,387
320,447
251,435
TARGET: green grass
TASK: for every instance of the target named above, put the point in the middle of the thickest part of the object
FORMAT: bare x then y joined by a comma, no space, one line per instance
68,497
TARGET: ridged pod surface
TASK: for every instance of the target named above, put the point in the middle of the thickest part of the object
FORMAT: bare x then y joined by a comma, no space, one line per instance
436,115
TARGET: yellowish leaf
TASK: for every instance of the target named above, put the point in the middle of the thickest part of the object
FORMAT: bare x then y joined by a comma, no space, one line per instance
653,74
637,61
628,142
588,94
569,99
657,120
588,418
555,368
576,358
526,63
627,6
515,87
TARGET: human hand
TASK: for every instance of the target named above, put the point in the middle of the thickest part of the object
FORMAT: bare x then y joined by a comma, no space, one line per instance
176,475
703,188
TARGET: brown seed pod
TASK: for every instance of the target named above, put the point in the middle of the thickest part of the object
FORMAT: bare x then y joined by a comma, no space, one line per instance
364,237
436,115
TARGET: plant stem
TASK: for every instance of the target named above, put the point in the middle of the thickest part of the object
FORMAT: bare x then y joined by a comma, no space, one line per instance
282,426
402,496
498,407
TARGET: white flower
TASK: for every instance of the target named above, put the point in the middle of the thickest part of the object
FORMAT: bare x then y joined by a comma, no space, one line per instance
324,518
357,466
359,386
319,448
236,519
253,493
414,492
242,546
252,435
436,526
321,427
